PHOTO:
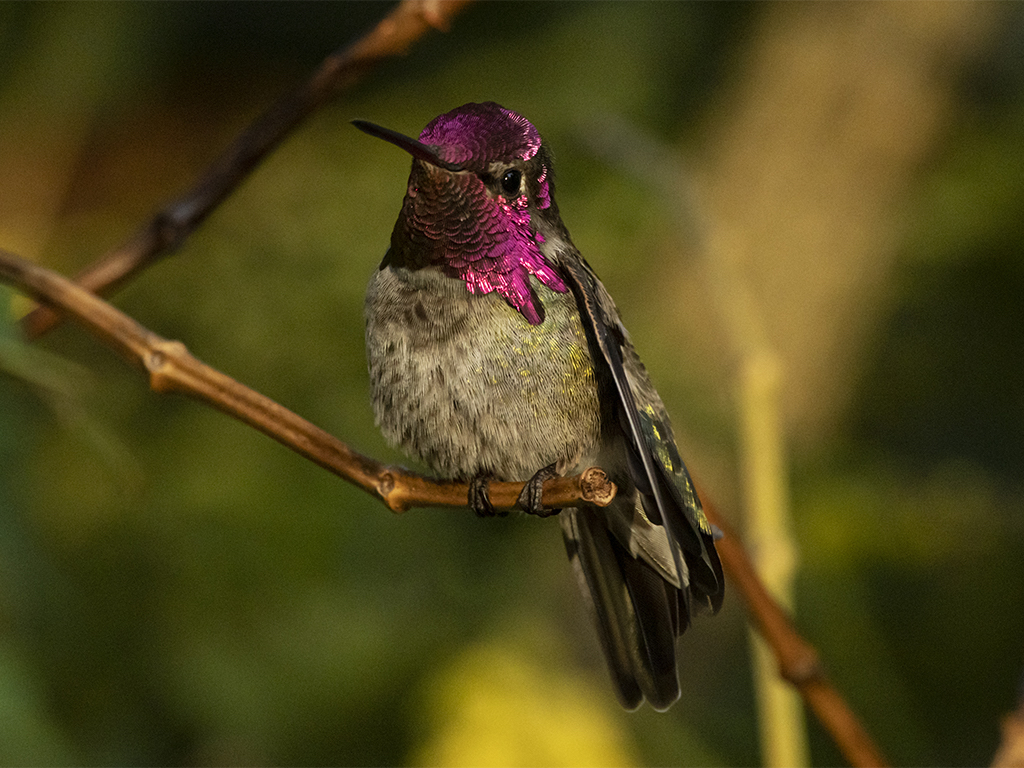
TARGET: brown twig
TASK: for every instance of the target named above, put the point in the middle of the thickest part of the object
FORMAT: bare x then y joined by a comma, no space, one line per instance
798,660
1011,749
172,368
168,228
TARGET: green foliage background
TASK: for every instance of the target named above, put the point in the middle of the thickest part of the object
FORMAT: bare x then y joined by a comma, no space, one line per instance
176,588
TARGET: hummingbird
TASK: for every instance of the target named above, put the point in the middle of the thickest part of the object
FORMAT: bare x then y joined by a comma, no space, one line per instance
496,353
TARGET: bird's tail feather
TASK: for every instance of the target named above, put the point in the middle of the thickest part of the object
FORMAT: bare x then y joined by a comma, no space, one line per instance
636,612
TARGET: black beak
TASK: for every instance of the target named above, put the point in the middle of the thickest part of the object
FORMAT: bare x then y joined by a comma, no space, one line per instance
417,149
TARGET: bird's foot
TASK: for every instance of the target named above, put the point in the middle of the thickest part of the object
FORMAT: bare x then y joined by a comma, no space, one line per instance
530,498
479,498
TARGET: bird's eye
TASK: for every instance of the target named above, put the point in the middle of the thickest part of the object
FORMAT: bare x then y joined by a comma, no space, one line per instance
510,182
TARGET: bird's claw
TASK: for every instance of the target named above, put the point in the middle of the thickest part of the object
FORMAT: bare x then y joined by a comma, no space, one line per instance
531,497
479,498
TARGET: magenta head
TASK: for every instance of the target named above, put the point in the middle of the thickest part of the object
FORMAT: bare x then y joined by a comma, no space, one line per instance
475,135
479,178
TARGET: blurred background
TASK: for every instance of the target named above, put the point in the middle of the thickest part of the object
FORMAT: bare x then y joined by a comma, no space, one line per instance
841,184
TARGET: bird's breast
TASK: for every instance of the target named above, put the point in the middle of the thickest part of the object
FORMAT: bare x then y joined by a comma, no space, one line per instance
466,384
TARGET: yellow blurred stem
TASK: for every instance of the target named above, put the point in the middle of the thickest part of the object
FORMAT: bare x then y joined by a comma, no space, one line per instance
782,725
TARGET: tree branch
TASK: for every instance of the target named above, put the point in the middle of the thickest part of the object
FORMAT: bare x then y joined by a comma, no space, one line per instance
1011,748
798,660
169,227
171,368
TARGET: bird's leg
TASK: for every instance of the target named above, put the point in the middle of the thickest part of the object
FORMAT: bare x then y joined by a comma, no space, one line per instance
530,497
479,498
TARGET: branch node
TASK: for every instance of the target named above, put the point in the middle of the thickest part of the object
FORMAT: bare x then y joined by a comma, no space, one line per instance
596,487
431,12
167,232
385,488
804,669
385,485
158,363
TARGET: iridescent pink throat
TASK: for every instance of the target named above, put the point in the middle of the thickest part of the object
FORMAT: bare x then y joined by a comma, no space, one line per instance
485,240
508,266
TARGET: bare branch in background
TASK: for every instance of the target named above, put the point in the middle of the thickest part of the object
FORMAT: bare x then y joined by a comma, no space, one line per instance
797,659
169,227
1011,749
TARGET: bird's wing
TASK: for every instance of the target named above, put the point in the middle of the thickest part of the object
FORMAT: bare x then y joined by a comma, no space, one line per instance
668,495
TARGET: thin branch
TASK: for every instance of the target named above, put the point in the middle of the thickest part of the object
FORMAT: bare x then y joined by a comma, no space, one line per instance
172,369
169,227
797,659
1011,749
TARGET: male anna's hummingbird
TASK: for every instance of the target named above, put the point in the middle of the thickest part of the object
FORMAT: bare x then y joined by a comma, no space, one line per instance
496,353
